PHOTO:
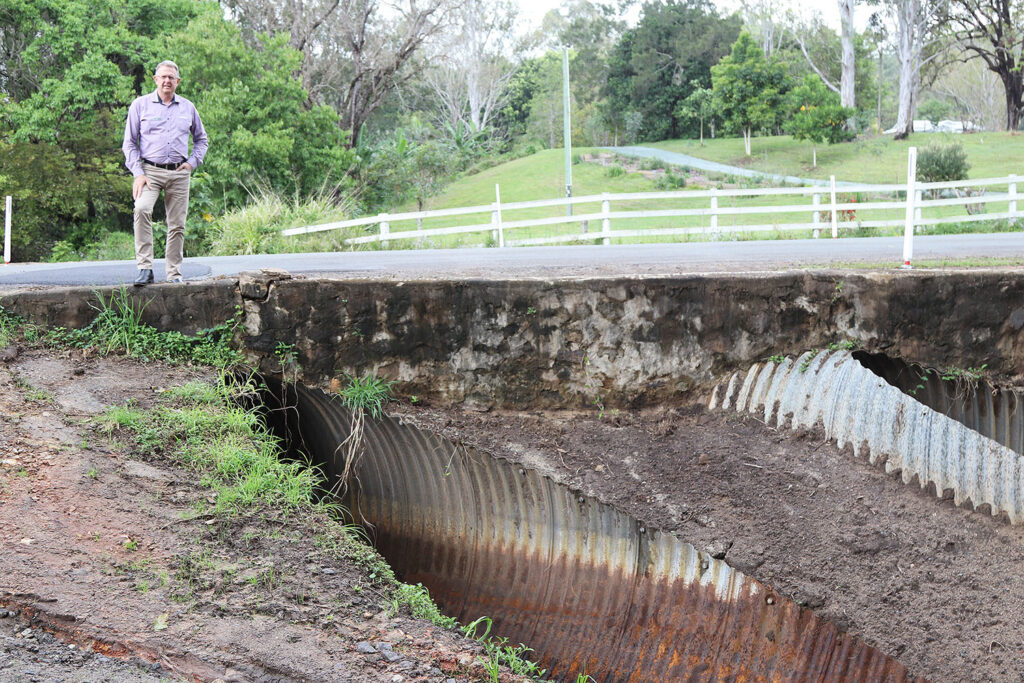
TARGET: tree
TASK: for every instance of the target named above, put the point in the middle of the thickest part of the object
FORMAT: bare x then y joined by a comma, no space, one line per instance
814,37
472,66
68,69
846,89
355,52
653,65
255,110
993,31
974,90
765,21
700,105
818,115
916,32
749,89
590,30
934,110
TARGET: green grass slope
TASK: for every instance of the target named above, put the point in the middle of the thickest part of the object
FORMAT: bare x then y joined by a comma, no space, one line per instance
870,160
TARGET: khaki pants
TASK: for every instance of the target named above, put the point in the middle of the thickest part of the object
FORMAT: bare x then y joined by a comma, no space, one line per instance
175,185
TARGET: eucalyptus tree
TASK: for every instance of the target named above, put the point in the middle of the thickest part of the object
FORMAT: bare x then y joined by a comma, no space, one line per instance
471,65
993,31
355,52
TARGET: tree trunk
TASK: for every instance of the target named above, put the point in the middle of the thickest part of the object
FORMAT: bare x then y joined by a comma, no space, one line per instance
702,132
880,128
814,155
746,139
846,86
908,51
1014,87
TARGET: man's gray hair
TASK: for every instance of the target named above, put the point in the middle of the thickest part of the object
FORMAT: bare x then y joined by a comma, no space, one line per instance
169,63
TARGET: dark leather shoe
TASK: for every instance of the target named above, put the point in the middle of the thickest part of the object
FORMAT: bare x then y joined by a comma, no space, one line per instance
145,277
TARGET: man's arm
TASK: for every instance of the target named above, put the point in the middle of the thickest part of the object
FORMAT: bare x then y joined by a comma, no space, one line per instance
200,143
130,146
132,153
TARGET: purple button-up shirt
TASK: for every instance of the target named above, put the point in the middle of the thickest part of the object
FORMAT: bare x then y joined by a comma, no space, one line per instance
159,133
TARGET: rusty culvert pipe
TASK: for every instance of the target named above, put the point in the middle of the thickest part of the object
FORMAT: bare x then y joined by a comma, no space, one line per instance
992,411
586,586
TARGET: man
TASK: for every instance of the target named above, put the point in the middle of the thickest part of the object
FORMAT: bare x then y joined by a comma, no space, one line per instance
156,152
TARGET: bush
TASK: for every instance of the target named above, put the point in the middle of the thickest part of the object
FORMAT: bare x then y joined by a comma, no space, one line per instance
256,228
670,181
940,163
614,171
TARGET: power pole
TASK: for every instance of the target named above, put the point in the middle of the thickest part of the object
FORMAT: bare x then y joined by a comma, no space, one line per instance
566,129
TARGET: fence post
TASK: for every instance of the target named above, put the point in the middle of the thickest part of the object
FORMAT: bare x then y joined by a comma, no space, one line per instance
1012,191
835,218
606,221
816,216
918,196
385,229
7,229
908,229
714,213
497,209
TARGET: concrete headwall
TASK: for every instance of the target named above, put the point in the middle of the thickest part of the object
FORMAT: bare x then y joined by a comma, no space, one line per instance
585,342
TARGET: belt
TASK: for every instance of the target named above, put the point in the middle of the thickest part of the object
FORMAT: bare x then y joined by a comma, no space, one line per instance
168,167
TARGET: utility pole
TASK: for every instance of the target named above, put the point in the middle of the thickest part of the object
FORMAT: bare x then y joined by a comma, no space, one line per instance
566,129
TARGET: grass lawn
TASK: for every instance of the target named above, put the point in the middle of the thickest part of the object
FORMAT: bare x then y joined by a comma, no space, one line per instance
871,160
542,176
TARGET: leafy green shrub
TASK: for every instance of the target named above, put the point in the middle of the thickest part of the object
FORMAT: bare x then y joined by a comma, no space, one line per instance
614,171
670,181
939,163
256,228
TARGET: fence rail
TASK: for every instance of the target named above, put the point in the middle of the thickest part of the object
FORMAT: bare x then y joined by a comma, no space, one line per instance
712,214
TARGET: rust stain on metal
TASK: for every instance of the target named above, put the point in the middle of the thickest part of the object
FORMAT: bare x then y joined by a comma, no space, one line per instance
578,581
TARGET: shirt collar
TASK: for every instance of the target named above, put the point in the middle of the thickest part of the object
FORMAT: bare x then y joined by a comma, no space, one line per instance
156,98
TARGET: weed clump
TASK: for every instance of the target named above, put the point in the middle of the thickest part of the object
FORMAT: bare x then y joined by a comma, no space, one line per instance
118,327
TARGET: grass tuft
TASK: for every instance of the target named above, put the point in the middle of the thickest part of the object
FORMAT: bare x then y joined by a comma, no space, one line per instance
368,393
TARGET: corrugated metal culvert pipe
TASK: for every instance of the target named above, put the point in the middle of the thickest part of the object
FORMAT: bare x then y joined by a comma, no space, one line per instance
857,407
991,411
586,586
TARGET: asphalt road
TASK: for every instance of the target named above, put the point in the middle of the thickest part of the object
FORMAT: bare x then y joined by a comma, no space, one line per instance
547,262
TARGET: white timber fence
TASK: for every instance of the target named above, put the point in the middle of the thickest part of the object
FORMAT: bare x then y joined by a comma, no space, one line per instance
681,215
7,229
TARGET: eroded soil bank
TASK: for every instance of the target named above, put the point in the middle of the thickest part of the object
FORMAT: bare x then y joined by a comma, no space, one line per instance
112,567
267,598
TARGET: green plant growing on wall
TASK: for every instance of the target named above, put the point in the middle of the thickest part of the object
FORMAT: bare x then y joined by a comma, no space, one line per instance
363,396
806,362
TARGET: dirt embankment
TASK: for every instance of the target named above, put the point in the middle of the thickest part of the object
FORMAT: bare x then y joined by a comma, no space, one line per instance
116,555
113,570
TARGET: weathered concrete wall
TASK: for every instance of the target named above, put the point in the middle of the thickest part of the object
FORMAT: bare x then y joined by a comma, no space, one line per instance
582,342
